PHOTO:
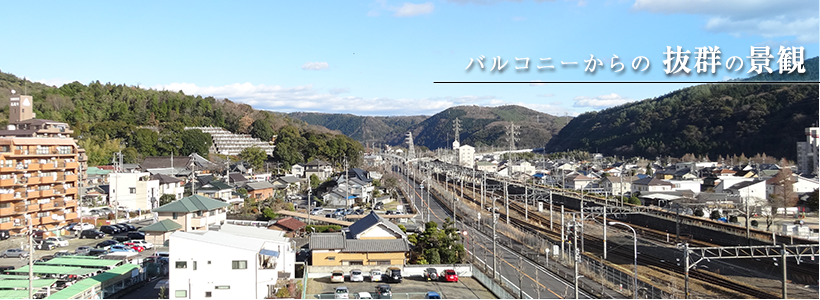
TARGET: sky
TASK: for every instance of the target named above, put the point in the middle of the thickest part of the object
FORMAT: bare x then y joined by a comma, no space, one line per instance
382,57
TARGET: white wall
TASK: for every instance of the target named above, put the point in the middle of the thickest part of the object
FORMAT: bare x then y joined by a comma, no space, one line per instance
120,190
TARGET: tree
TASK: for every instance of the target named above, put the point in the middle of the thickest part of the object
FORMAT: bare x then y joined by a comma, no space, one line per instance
714,215
812,202
166,198
784,195
245,124
699,212
649,169
314,181
195,140
254,156
262,130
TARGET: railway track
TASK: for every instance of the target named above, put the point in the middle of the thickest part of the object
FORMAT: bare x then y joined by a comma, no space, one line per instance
542,227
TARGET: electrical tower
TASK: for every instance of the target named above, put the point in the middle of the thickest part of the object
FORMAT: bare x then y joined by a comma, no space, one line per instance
411,153
512,135
457,127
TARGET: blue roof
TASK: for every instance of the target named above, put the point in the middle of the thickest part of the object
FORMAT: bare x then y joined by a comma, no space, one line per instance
269,252
642,176
538,175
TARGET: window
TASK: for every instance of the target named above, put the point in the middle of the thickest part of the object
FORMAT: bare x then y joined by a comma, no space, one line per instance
331,258
239,264
175,216
199,213
182,265
194,266
207,294
209,262
133,190
223,287
181,294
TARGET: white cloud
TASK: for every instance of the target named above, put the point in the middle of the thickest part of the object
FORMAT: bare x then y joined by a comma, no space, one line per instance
307,98
536,82
545,95
315,66
747,17
602,101
411,10
337,91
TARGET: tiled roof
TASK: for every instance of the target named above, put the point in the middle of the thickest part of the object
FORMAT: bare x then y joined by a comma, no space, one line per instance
237,178
155,162
162,226
370,220
392,245
334,240
191,204
317,162
259,185
216,185
291,223
164,179
651,181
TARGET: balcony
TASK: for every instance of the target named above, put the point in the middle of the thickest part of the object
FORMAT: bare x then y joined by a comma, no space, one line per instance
35,221
46,193
6,197
71,216
33,208
7,225
20,152
7,182
7,211
32,167
51,166
70,203
71,178
46,220
71,165
47,179
19,209
33,180
47,206
33,194
7,169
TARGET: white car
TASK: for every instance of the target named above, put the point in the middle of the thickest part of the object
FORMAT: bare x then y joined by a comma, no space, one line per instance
143,243
375,275
59,241
363,295
341,293
356,275
83,226
316,211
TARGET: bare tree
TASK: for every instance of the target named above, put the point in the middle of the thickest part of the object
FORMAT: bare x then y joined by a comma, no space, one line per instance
783,195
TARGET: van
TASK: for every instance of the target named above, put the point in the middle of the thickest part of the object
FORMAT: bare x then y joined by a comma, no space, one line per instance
393,275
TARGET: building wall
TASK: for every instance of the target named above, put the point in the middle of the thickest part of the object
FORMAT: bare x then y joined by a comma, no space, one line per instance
321,258
121,185
218,273
261,194
377,233
38,178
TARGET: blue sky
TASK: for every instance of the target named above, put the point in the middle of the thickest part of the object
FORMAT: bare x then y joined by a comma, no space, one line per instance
382,57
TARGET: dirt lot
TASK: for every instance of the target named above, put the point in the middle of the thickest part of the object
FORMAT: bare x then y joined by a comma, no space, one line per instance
410,288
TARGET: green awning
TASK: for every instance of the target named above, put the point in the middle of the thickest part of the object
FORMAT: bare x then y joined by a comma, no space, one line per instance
14,294
23,284
81,262
86,284
44,269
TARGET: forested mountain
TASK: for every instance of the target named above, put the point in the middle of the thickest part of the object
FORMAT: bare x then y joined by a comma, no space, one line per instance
483,127
712,119
145,122
360,128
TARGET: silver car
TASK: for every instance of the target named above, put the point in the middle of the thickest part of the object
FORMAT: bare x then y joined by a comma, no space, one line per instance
16,252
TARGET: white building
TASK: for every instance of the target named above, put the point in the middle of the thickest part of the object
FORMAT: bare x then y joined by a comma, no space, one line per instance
753,191
227,143
466,156
685,185
132,190
169,186
523,167
807,152
234,262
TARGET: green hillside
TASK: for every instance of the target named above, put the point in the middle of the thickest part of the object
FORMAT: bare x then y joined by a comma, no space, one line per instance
360,128
108,117
712,119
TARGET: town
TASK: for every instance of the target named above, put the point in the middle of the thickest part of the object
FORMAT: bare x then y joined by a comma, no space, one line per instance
386,224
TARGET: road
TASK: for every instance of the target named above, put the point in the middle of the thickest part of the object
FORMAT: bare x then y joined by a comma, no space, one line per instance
509,269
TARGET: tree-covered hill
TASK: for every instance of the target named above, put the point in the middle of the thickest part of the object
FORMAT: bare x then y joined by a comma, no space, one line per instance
483,127
146,122
360,128
712,119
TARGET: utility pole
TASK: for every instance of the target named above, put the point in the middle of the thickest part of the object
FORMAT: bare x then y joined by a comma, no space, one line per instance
483,182
308,211
495,243
563,239
526,203
577,254
551,210
507,202
30,234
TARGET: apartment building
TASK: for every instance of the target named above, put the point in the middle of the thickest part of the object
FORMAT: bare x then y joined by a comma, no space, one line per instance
807,153
227,143
39,167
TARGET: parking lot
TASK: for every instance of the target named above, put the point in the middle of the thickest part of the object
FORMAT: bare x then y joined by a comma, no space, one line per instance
414,287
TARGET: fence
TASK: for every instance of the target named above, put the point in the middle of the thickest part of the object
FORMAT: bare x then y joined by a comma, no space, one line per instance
395,296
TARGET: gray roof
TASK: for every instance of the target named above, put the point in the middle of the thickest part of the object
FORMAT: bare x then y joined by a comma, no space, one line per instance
191,204
334,240
651,181
259,185
237,178
370,220
394,245
164,179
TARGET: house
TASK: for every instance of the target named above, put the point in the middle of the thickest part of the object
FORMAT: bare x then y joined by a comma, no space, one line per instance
357,173
618,185
485,166
259,190
159,232
237,179
169,186
523,167
298,170
133,190
751,191
577,181
288,183
193,212
289,225
240,263
370,241
650,184
320,168
685,185
221,191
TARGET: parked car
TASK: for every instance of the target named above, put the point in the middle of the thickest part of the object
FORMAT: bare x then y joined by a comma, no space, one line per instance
356,275
106,244
432,295
337,276
392,275
91,234
383,291
129,227
341,293
138,235
97,252
45,258
316,211
3,269
16,252
359,212
109,229
121,227
45,246
82,226
4,234
375,275
121,238
82,250
143,243
62,253
121,248
379,206
363,295
431,274
449,275
58,240
134,246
